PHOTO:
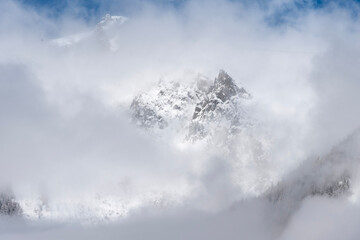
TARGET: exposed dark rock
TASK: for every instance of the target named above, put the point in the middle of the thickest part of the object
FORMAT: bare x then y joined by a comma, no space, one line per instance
225,87
223,90
198,104
222,105
167,101
8,205
146,117
301,188
326,176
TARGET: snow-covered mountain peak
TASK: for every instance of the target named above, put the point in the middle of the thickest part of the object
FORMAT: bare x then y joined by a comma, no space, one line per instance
106,33
108,20
225,87
198,106
223,100
167,102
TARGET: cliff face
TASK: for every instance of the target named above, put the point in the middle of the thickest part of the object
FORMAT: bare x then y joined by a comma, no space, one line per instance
201,107
221,108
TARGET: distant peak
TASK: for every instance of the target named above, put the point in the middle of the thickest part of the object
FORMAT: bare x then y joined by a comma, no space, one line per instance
109,20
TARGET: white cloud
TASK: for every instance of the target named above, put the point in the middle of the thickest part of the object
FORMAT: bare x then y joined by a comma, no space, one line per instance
65,133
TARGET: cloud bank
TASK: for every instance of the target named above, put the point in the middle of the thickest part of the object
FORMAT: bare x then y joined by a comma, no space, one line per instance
66,134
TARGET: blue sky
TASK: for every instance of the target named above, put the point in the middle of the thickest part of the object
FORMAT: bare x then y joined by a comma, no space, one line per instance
90,9
96,5
87,8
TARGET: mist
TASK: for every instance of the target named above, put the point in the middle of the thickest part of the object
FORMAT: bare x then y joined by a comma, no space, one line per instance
68,147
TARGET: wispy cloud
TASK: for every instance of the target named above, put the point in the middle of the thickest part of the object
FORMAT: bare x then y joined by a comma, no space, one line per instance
64,123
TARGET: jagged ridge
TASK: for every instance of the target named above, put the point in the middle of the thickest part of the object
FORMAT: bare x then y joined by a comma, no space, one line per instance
199,103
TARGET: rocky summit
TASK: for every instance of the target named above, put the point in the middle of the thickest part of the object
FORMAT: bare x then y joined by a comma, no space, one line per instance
198,105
